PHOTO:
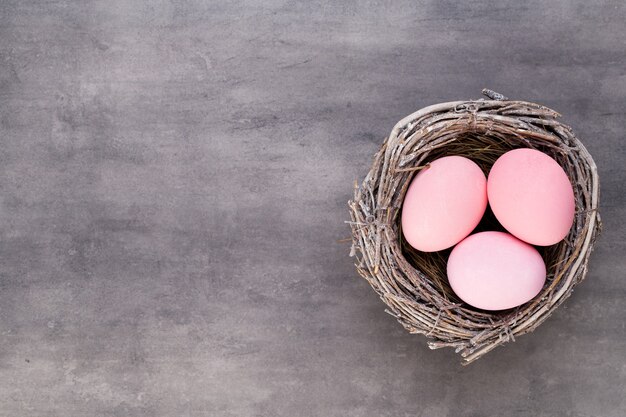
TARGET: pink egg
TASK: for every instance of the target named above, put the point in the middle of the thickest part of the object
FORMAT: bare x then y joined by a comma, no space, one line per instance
495,271
531,196
444,203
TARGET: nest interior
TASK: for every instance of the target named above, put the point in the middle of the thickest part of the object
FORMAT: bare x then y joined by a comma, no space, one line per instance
413,284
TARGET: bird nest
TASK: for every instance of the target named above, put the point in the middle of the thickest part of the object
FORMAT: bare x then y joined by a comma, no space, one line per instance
413,284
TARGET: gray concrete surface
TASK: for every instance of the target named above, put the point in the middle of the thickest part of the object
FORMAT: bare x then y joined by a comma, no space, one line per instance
174,178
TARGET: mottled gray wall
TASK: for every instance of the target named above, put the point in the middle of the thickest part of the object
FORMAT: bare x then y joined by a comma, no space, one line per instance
173,183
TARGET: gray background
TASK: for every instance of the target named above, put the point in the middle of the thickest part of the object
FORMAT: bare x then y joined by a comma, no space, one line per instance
173,182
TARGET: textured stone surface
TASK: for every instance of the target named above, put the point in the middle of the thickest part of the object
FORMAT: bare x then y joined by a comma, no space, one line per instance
174,178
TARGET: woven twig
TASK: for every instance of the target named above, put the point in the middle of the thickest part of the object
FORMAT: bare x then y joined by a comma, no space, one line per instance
413,284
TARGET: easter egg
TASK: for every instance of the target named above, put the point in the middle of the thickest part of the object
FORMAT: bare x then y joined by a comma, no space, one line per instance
531,196
495,271
443,203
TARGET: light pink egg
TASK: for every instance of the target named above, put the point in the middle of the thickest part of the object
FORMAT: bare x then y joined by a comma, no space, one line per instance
495,271
531,196
444,203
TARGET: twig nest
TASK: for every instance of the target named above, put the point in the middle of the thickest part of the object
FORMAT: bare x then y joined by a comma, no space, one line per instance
413,284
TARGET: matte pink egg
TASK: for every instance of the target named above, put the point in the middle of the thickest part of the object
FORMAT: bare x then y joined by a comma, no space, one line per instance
531,196
444,203
495,271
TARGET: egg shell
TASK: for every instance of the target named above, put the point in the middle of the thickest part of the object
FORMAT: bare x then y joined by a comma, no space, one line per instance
444,203
495,271
531,196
